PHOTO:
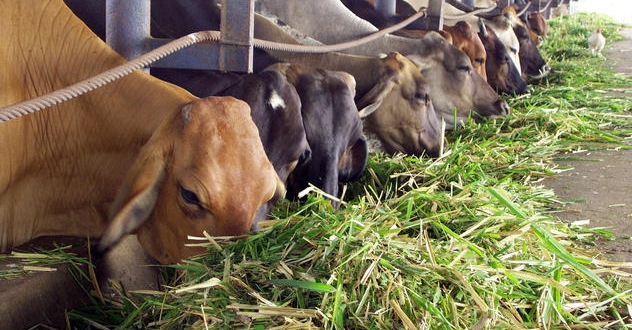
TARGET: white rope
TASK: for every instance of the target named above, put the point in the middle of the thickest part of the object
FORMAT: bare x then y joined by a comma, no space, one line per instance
104,78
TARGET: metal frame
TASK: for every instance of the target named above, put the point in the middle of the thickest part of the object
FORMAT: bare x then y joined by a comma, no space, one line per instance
128,32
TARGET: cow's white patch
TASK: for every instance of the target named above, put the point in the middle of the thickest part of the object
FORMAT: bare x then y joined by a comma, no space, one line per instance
276,102
186,112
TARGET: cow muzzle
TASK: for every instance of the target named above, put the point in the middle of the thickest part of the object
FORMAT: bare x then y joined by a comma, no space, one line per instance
504,108
543,72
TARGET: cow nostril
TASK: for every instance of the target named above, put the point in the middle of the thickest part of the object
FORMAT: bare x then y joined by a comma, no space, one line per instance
504,108
305,157
546,68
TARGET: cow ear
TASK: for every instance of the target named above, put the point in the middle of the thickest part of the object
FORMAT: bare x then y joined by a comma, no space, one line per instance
419,61
369,109
353,161
373,98
135,199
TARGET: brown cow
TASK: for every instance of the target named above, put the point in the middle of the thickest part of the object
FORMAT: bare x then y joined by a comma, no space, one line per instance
467,40
536,22
166,164
275,108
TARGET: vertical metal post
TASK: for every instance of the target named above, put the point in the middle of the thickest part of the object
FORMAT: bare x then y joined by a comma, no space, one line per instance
386,8
504,3
435,14
236,49
127,26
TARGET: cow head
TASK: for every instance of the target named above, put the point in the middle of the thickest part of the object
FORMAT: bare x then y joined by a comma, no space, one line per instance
333,128
532,65
404,118
536,22
531,61
465,39
202,170
502,74
503,27
454,86
276,110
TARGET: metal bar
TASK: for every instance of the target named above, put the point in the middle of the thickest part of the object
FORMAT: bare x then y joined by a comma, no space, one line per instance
504,3
385,7
128,32
236,49
202,56
435,15
127,26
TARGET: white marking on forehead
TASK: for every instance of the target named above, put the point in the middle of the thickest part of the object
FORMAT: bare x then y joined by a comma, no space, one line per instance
276,102
186,112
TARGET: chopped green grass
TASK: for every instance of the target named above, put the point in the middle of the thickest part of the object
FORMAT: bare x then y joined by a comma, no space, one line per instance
468,240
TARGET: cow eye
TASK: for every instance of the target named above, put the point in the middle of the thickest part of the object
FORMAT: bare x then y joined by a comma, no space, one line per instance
189,196
464,68
513,50
422,97
478,61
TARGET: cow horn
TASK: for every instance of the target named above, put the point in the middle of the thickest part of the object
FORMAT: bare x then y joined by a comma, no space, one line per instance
482,28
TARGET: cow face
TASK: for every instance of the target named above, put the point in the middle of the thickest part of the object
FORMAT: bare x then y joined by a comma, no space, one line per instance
502,26
502,74
455,85
531,61
205,170
276,110
537,23
465,39
405,119
333,128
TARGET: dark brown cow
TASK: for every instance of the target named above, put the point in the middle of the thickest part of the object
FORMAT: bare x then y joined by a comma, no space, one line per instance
333,128
502,73
531,62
